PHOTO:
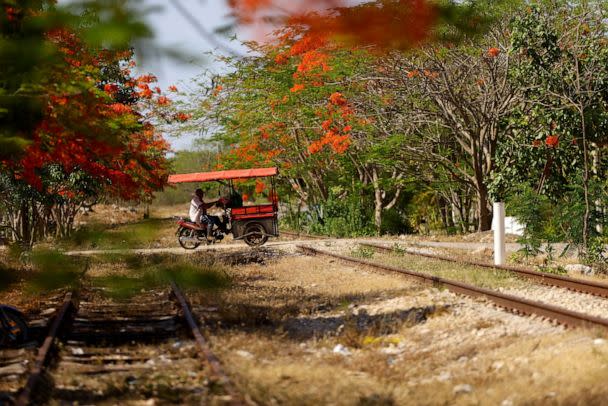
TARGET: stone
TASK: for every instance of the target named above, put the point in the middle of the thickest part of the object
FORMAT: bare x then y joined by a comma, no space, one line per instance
579,268
48,312
462,388
599,341
444,376
497,365
244,354
342,350
391,350
77,351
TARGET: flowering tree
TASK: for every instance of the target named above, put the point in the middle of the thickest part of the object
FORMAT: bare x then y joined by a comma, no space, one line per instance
89,139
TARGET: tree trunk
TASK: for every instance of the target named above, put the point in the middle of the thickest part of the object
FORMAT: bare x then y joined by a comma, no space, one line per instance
24,227
484,214
377,202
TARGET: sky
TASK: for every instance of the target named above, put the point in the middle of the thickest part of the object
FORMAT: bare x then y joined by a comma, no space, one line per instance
174,31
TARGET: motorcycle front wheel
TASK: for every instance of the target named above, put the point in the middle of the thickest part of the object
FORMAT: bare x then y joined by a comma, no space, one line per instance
187,238
13,329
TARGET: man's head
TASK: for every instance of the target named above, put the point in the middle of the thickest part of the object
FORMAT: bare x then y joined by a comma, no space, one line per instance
199,193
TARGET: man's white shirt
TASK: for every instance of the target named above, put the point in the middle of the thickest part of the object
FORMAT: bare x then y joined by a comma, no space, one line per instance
196,209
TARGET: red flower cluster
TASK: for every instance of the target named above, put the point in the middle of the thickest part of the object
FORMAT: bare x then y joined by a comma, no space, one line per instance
493,52
552,141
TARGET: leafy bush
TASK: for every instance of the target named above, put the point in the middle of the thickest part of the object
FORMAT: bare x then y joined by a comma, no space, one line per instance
341,215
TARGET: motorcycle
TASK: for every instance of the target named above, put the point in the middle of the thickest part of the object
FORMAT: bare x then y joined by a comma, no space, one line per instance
190,235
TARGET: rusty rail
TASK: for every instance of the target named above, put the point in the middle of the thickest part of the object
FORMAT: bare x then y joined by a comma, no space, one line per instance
311,236
27,395
205,350
44,352
578,285
514,303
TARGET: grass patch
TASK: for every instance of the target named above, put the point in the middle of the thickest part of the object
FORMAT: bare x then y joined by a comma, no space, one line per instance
474,275
363,252
143,234
123,276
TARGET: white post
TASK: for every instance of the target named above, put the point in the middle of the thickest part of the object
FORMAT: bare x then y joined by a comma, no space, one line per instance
499,233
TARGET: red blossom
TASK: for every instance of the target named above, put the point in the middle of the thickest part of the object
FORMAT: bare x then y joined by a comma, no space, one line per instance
183,117
296,88
120,108
147,79
110,88
493,52
552,141
337,99
163,101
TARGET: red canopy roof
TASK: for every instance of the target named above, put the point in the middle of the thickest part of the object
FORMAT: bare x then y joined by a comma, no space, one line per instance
223,175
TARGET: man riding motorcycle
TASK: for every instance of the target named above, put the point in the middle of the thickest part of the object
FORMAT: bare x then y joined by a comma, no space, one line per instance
198,213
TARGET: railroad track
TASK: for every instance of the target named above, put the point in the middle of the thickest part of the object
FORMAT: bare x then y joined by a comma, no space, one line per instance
304,235
124,352
578,285
510,302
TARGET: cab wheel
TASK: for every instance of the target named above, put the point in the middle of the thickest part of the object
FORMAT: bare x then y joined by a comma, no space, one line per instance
255,235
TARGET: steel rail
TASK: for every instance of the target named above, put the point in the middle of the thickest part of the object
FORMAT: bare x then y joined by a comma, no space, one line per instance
311,236
515,303
205,350
44,352
578,285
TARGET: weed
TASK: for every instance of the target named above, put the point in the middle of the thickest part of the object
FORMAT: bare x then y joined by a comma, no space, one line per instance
363,252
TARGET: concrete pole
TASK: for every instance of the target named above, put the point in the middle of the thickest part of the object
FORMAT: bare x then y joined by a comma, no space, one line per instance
499,233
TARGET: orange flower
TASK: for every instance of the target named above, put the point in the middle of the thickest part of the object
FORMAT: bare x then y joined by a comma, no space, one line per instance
110,88
552,141
315,147
296,88
163,101
347,129
337,99
182,117
281,59
62,101
146,93
493,52
120,108
326,124
173,88
245,197
259,186
219,88
412,73
147,79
